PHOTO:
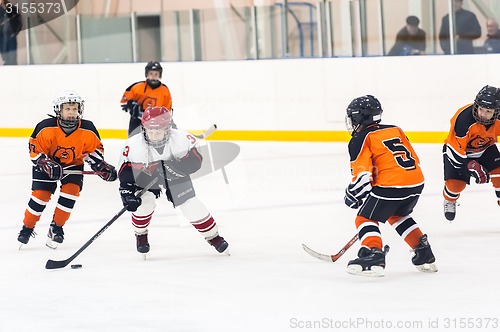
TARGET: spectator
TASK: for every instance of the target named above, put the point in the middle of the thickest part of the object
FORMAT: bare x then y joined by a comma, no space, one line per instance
10,25
410,40
467,29
492,43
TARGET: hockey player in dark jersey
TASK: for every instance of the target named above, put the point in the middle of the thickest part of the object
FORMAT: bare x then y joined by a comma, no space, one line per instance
59,144
386,184
470,149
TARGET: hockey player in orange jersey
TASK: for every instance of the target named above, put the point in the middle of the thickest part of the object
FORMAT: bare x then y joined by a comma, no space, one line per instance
470,149
141,95
58,144
386,184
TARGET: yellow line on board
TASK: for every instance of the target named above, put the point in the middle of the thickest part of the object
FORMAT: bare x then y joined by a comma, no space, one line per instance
426,136
256,135
15,132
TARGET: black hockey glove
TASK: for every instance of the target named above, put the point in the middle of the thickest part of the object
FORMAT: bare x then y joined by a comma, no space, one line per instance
50,167
478,172
106,171
132,107
129,200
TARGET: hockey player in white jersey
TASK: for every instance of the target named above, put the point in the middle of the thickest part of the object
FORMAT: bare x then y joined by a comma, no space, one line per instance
171,155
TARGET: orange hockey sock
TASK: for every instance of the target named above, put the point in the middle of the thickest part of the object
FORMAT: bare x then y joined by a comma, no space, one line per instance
37,203
407,228
369,232
453,188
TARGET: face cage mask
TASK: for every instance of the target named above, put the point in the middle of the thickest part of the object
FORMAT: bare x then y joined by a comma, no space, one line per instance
350,127
156,144
70,123
475,114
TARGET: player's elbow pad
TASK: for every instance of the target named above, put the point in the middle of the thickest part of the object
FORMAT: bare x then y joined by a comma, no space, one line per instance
192,162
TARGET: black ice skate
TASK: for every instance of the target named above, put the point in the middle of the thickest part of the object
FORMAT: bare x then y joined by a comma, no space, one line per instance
424,259
450,209
219,244
24,235
55,235
142,243
370,262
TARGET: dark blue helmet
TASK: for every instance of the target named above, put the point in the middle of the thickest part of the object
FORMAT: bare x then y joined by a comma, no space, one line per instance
488,97
363,111
153,65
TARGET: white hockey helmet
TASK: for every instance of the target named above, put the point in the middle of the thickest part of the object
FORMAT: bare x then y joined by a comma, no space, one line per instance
68,97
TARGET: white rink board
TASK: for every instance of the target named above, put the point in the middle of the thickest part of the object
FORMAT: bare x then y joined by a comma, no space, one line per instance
419,93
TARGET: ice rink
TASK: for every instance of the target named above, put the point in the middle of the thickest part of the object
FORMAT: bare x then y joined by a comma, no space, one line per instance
279,196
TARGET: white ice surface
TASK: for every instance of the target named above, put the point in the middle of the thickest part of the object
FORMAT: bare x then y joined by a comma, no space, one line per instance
279,196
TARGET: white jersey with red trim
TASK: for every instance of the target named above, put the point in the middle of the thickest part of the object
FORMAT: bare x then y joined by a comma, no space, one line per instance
137,151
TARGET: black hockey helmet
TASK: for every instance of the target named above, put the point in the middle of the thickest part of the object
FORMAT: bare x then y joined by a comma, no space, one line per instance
153,65
361,112
488,97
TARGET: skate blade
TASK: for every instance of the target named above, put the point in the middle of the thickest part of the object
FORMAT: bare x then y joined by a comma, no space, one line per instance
375,271
144,256
427,268
51,244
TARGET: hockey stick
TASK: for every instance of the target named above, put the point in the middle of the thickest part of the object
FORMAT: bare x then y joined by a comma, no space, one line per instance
330,258
51,264
69,171
207,132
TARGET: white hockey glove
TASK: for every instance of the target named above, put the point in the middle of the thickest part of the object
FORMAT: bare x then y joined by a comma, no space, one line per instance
358,190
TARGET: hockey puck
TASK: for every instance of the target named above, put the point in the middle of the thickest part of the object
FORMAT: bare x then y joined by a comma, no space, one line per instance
76,266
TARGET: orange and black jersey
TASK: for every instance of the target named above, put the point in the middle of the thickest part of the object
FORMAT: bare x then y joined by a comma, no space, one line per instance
469,138
385,153
68,150
147,96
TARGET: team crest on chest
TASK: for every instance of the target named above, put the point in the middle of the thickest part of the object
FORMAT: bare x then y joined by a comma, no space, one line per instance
479,143
65,155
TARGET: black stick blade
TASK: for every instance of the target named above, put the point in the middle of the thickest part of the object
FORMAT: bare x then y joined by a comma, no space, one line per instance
51,265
